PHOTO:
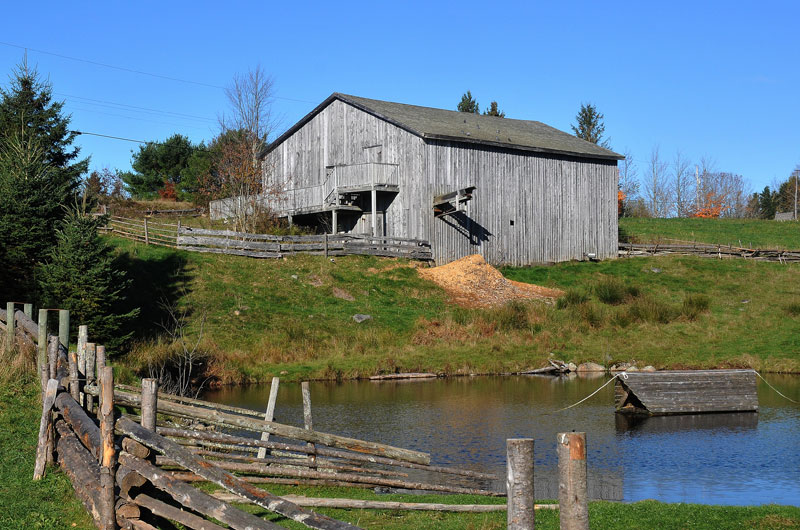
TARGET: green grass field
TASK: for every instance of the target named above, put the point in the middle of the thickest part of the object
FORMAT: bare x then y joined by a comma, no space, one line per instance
292,317
751,233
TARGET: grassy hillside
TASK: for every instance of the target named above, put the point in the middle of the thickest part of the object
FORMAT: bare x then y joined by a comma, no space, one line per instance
293,317
758,233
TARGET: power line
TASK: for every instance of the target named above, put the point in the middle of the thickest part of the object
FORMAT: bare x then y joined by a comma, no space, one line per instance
72,107
114,137
131,70
158,111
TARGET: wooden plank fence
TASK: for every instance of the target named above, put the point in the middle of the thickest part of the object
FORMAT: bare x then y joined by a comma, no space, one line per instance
265,245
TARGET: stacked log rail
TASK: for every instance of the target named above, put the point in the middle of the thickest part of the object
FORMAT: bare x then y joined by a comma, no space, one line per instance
707,250
326,459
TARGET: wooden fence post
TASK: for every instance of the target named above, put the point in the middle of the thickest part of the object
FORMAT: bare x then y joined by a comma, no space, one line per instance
146,235
91,354
63,327
308,423
100,353
28,310
74,380
42,341
270,413
178,233
52,355
572,489
83,338
519,484
108,460
149,403
10,332
45,425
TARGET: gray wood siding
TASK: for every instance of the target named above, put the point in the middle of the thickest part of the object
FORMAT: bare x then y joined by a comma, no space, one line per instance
562,207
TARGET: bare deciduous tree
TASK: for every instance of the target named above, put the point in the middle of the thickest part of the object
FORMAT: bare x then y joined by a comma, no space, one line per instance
682,186
628,182
657,186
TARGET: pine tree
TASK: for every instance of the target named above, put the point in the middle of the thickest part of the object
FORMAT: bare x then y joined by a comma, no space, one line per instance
39,173
80,275
494,111
590,125
468,104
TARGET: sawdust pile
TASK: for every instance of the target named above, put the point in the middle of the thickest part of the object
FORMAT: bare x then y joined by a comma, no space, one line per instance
472,282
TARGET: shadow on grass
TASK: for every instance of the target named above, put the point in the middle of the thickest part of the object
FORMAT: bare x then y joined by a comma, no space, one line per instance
158,282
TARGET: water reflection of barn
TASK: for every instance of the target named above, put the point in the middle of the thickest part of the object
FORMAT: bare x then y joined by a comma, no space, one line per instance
515,191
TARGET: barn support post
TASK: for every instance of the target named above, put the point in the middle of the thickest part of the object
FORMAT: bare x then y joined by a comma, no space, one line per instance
270,413
519,484
308,423
374,200
572,489
335,221
63,327
108,460
10,331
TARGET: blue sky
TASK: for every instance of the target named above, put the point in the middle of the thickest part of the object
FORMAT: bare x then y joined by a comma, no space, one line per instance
712,79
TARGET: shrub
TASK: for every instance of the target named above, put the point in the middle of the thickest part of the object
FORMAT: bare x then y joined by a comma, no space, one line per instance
571,298
511,316
592,314
694,305
648,309
610,290
793,309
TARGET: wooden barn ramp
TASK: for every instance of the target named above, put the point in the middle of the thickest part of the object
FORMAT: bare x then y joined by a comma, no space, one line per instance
686,392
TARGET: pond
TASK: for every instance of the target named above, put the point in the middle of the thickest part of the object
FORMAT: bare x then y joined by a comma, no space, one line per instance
738,458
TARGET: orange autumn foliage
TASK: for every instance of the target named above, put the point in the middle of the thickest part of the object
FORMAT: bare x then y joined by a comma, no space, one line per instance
711,208
620,202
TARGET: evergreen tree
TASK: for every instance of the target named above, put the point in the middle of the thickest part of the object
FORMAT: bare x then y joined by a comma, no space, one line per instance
767,203
80,275
468,104
39,173
493,111
158,164
590,125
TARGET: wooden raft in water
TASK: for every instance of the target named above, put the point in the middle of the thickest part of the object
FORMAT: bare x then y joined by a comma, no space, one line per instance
686,392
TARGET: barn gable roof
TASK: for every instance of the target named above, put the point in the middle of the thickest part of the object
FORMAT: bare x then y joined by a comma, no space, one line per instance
440,124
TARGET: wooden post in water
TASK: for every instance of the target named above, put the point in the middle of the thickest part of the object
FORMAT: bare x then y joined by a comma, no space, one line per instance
308,424
108,459
63,327
83,337
10,332
42,342
149,403
91,355
28,310
572,489
45,425
519,483
270,413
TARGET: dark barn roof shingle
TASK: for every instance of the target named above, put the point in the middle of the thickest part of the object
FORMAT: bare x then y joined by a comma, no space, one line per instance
440,124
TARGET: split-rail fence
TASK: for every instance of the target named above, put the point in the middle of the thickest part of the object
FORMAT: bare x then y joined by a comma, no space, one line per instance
136,471
692,248
264,245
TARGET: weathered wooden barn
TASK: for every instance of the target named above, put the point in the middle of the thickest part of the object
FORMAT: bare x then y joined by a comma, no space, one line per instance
516,191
